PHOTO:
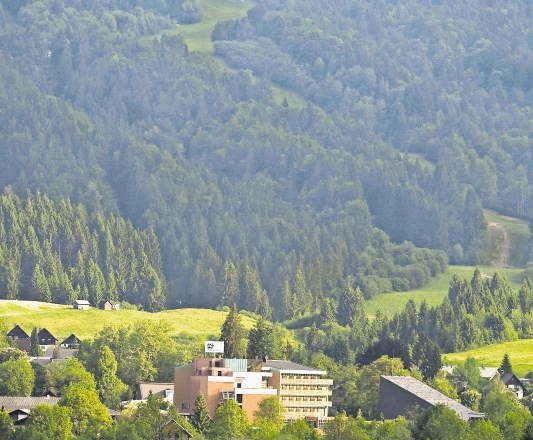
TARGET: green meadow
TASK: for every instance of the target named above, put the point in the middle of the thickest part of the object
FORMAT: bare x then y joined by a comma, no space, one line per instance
198,35
437,289
520,353
63,320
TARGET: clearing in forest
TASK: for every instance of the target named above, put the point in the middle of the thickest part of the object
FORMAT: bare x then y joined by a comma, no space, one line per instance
437,289
520,353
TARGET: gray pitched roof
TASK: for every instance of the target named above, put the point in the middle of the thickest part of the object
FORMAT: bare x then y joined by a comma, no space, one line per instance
12,403
510,377
432,396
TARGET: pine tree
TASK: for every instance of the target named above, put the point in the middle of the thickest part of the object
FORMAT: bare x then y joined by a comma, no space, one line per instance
233,335
301,291
260,340
426,356
112,290
351,308
506,366
35,348
287,311
200,418
40,285
230,285
251,289
97,285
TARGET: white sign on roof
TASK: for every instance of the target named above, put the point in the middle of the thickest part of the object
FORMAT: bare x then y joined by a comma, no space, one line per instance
214,347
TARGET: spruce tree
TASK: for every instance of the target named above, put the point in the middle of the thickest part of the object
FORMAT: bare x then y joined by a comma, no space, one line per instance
200,416
506,366
233,335
260,340
351,308
230,285
40,286
35,348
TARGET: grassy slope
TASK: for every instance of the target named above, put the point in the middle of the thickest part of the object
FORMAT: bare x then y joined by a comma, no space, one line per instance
63,320
436,290
520,353
517,231
198,37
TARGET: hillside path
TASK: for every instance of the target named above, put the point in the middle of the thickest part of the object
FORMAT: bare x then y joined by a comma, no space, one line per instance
501,255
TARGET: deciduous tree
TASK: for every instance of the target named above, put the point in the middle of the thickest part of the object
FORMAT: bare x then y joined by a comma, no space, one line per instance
230,422
51,422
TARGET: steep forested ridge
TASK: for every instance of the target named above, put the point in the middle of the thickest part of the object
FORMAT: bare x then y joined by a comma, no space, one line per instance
101,102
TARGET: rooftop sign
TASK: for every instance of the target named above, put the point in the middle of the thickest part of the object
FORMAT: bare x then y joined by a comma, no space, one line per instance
214,347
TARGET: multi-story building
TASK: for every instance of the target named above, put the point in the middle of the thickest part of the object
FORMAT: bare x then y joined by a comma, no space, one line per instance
303,391
218,380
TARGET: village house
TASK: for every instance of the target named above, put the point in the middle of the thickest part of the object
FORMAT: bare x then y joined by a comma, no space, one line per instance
18,408
109,305
81,304
72,342
46,339
20,337
511,382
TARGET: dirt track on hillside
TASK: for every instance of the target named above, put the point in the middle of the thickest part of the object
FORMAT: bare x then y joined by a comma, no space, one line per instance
500,258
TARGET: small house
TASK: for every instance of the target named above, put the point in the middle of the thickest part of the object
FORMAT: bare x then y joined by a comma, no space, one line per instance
17,333
46,339
19,408
20,337
71,342
172,430
81,304
109,305
513,384
488,373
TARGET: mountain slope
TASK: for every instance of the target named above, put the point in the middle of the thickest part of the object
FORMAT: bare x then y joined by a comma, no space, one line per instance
102,102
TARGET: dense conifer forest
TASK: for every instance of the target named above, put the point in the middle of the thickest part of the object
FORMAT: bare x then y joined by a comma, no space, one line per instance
412,117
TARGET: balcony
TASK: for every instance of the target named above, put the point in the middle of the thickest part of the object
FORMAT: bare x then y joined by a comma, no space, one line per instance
317,393
318,381
304,403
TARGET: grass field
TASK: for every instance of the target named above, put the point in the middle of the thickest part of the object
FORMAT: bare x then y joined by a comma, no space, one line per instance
64,320
293,99
436,290
198,35
520,353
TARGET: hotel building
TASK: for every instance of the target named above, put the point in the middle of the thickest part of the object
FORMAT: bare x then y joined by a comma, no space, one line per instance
303,391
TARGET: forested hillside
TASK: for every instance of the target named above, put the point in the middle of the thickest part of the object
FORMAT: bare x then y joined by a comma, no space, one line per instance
57,253
418,114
